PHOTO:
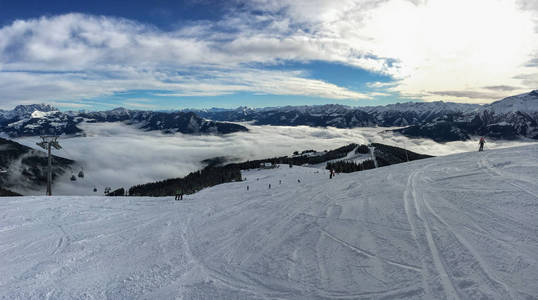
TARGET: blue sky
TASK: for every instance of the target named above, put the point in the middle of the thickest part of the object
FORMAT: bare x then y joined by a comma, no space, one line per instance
352,78
166,15
201,53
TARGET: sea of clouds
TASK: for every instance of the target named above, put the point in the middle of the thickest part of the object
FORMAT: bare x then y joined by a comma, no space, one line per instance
118,155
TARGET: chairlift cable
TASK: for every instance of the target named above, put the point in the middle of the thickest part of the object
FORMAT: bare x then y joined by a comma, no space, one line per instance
81,172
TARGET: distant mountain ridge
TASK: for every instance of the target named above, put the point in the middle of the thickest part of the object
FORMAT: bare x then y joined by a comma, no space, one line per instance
340,116
526,103
510,118
36,119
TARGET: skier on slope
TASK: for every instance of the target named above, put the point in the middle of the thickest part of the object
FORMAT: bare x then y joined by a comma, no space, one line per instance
179,194
481,143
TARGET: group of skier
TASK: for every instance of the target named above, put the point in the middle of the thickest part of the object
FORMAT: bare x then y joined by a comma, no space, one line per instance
179,192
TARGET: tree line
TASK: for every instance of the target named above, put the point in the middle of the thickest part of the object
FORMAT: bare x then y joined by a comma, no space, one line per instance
385,156
195,181
347,166
213,174
8,193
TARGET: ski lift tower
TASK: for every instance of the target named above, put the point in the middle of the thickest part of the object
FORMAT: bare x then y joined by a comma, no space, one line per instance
49,141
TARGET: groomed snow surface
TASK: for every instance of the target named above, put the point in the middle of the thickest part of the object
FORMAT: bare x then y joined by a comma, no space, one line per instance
456,227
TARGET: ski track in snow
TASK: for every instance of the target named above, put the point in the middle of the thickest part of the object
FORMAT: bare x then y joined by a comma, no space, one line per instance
462,226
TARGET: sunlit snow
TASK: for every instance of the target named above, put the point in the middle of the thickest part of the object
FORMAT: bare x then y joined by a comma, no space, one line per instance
459,226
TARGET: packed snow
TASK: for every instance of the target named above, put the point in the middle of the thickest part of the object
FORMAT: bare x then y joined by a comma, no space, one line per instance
40,114
462,226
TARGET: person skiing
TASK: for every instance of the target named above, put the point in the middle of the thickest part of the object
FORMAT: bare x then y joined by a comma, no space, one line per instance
179,194
481,143
332,174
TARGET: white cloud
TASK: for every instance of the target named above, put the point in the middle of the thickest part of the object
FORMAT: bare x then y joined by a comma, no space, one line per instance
436,45
118,155
77,56
428,47
380,85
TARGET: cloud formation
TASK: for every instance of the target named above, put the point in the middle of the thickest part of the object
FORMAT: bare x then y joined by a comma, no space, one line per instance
117,155
502,88
427,47
469,94
78,56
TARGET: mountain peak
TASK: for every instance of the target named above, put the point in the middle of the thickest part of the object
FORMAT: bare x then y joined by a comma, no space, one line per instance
30,108
26,111
122,109
527,102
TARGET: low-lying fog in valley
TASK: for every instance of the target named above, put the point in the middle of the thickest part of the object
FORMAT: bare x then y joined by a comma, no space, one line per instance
118,155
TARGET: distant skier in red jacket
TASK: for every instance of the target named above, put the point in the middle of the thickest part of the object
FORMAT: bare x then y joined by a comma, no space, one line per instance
481,143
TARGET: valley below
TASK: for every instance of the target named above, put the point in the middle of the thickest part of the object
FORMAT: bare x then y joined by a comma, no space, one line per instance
117,155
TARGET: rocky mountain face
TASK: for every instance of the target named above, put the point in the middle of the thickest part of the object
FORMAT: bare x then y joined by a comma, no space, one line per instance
35,119
510,118
340,116
527,102
25,168
167,122
32,120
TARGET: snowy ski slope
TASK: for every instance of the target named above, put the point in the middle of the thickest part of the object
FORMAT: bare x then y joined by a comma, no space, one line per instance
463,226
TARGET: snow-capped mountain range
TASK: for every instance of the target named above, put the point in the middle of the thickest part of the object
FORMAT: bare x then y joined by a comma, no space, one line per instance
526,103
341,116
37,119
509,118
